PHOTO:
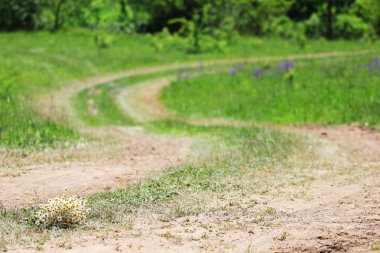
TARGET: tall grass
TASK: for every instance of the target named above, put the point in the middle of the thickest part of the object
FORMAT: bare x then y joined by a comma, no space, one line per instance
22,127
333,91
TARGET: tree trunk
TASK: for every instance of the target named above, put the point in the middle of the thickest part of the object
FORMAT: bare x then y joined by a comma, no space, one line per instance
329,19
123,12
57,15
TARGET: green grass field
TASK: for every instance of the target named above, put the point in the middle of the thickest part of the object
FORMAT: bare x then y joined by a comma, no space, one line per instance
238,161
328,91
36,63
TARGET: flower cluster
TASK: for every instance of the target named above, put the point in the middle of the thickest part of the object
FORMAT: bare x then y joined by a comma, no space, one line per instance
62,211
373,65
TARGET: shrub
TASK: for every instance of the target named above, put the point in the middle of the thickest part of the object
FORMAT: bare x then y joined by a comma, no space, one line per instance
62,212
19,14
351,27
283,27
313,27
104,40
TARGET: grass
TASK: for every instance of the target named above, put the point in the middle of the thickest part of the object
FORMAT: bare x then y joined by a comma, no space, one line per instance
96,106
250,147
235,166
22,127
376,246
333,91
39,62
244,160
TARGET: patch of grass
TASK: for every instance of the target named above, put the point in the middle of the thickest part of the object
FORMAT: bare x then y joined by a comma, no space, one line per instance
22,127
232,167
172,237
376,246
330,91
97,106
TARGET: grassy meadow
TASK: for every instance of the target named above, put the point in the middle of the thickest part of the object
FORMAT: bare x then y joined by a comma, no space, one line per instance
35,63
328,91
236,162
202,126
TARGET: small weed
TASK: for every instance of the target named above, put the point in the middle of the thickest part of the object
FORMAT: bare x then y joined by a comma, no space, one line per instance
376,246
269,211
172,237
179,212
283,236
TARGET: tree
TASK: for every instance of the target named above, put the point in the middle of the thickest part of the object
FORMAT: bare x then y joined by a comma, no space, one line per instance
369,11
19,14
57,14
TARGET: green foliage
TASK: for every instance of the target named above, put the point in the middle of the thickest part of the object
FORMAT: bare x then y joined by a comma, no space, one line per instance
351,27
16,14
191,30
313,27
369,11
283,27
211,27
210,22
103,40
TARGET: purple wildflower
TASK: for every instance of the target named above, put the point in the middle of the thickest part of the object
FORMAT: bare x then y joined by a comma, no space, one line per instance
285,66
182,73
288,65
233,71
258,73
374,64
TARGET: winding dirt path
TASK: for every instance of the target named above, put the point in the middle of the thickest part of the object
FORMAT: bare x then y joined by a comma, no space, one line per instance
141,154
337,215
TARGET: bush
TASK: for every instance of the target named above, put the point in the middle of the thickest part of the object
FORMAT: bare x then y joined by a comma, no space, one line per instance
62,212
313,27
19,14
283,27
104,40
351,27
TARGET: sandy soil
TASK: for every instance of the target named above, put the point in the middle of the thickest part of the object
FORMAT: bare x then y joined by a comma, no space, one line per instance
337,215
334,214
140,156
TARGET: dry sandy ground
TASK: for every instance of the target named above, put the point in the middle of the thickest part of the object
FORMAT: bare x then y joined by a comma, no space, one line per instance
140,156
334,214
